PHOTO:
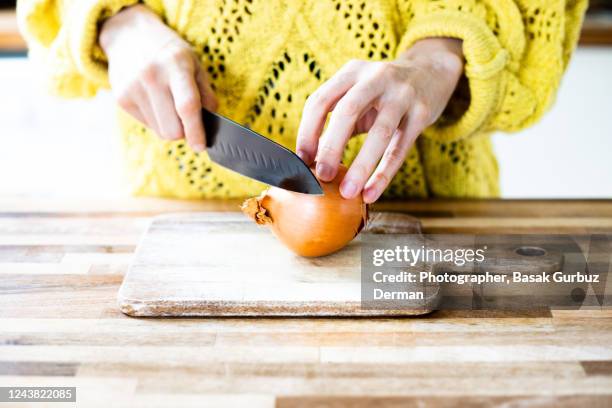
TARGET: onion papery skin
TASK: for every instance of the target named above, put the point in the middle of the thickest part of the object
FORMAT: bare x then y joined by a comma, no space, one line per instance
310,225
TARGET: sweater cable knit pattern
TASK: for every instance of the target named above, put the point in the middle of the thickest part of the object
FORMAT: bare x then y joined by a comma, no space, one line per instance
264,58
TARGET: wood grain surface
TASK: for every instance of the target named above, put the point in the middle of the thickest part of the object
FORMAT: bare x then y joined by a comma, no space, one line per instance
61,265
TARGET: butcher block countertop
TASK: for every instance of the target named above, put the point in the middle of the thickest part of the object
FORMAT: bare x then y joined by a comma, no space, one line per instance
62,262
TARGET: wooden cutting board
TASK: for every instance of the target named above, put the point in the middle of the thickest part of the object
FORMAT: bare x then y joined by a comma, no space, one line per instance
223,264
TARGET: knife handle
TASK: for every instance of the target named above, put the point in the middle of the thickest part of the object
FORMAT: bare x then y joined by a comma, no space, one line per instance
211,126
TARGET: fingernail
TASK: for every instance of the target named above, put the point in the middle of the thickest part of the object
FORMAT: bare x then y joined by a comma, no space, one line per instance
198,147
304,156
324,171
348,189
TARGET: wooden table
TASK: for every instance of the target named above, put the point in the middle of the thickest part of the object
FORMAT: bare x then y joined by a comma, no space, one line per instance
61,264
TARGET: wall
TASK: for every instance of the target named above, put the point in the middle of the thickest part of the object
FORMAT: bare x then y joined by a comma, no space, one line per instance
569,152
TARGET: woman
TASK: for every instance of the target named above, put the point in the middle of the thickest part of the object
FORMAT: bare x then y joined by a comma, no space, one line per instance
450,71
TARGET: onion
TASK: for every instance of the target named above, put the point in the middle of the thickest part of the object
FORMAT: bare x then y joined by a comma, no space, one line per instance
310,225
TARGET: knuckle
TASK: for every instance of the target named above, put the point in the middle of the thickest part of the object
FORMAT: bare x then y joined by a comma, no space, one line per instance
149,74
348,107
370,86
394,156
327,150
382,179
422,113
124,100
176,135
343,78
180,53
383,132
381,70
318,98
127,97
406,91
172,134
174,54
188,106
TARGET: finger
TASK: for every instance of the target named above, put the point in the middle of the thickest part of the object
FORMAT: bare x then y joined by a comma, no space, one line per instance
318,105
166,117
145,108
392,159
207,94
134,111
341,125
129,99
371,151
187,100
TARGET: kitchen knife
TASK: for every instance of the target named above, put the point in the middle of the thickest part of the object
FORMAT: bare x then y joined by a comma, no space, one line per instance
246,152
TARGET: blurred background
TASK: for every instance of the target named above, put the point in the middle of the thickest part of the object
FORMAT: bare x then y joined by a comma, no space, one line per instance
56,147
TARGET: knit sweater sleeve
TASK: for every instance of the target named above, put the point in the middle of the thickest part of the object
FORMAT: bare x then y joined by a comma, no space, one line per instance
62,38
515,50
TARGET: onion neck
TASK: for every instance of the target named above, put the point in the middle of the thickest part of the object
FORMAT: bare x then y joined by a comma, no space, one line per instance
254,209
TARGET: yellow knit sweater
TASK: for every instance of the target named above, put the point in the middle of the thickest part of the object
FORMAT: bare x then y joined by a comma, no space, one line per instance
266,56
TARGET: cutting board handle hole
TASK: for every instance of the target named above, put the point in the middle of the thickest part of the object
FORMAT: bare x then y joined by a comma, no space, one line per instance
530,251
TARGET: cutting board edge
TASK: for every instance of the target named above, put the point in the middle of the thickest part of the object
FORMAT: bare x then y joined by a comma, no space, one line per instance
138,308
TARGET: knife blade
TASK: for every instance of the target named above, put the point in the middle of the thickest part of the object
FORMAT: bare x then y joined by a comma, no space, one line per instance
246,152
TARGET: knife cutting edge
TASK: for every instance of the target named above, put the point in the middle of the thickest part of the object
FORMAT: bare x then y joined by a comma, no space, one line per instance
244,151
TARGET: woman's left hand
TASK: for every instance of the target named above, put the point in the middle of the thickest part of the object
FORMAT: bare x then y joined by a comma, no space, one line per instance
392,101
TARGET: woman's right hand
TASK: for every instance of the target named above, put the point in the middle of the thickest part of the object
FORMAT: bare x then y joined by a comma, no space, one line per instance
155,76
